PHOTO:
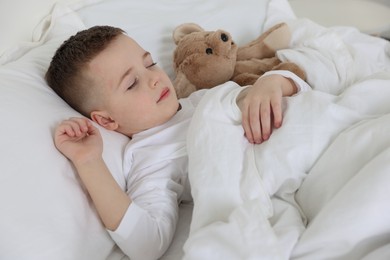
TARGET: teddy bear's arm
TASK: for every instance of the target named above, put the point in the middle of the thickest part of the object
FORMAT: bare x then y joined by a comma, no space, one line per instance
245,79
265,46
290,66
255,66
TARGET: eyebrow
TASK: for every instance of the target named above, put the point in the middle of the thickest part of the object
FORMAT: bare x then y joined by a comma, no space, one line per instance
128,71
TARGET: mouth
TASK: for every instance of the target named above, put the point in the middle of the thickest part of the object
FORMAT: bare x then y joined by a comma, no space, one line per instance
164,94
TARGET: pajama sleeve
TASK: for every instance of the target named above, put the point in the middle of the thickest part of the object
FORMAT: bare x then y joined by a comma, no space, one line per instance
148,226
300,83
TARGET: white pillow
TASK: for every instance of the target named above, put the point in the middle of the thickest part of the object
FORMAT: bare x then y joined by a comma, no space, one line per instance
46,213
18,19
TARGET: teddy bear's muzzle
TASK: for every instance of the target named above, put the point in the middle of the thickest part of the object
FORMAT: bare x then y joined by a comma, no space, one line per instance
225,38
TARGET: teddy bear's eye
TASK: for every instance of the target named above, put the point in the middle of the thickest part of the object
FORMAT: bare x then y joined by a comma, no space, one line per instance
209,51
224,37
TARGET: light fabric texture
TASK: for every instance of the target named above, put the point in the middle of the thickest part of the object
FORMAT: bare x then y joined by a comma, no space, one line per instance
316,189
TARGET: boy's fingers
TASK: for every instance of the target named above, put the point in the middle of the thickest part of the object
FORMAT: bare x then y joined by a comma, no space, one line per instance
248,131
82,122
76,126
255,122
246,125
72,127
277,113
265,113
92,130
69,130
65,128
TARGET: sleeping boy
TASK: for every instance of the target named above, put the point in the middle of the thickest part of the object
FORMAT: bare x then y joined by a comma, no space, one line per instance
111,80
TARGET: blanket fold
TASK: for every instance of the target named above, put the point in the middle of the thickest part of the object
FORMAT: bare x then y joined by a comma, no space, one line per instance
281,199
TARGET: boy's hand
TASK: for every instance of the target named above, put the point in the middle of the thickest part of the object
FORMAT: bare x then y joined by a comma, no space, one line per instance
78,140
261,105
82,143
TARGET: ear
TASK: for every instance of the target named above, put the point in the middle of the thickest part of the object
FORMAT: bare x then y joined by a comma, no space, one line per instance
103,119
184,29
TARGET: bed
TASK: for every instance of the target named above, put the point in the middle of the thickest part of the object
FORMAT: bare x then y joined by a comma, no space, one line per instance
318,189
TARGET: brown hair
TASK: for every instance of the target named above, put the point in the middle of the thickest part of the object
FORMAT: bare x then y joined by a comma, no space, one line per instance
65,73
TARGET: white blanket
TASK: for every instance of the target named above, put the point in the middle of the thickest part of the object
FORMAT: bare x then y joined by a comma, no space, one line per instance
319,187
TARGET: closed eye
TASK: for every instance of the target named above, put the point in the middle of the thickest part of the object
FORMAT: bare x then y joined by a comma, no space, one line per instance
151,65
133,84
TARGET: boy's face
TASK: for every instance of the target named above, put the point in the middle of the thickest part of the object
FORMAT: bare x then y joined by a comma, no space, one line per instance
138,95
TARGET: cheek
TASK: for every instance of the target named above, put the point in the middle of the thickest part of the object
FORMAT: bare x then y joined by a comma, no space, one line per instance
136,106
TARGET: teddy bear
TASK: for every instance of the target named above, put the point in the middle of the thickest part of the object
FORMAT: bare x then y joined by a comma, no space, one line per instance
204,59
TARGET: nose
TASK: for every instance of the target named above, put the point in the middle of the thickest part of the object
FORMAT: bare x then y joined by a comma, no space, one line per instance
153,80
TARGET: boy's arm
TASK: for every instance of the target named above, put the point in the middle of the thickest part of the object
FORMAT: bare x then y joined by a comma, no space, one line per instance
81,142
261,104
142,228
149,224
110,200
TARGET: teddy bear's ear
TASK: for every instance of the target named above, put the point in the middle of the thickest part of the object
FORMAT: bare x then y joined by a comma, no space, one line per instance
184,29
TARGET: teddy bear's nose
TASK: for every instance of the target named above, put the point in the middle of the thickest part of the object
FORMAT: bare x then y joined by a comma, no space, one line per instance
224,37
